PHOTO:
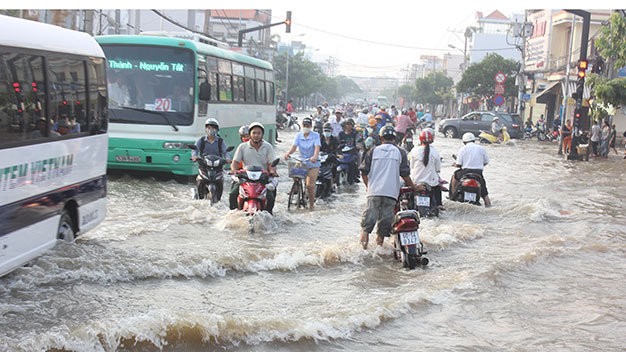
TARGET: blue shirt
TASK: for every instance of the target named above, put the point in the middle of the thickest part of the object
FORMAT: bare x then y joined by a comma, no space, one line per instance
210,148
306,146
427,117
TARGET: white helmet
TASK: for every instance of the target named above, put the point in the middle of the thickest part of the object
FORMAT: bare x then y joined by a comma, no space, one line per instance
212,122
256,124
468,137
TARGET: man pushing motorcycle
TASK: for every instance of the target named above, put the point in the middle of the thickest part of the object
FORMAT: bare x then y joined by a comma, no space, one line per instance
255,152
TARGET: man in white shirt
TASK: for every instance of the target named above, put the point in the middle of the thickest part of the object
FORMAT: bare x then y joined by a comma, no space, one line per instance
335,122
471,158
595,137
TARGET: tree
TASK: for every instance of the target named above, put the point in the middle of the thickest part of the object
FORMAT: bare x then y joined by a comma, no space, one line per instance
434,89
478,79
611,43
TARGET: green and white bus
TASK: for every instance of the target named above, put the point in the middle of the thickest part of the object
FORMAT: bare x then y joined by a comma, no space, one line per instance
163,88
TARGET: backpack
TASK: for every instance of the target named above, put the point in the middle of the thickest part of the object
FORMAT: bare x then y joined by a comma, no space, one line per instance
219,145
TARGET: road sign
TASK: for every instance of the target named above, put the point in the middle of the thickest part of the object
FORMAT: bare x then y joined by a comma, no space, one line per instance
498,100
500,77
525,97
499,89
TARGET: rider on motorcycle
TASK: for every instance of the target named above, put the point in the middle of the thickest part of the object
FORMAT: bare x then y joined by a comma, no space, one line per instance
496,128
211,144
425,163
244,133
351,138
471,158
255,152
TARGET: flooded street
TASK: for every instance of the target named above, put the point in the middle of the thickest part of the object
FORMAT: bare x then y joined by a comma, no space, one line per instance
543,269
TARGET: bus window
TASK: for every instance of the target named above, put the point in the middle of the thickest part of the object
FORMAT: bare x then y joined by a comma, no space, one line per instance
269,88
96,116
67,86
203,105
260,91
238,89
213,84
21,102
250,90
225,87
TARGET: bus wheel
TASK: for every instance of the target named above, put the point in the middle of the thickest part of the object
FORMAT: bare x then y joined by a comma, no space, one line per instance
66,228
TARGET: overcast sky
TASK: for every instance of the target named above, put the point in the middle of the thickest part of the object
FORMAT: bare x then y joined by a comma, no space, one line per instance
364,38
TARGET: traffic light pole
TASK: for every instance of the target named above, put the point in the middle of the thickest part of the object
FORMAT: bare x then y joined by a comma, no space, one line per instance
580,84
286,22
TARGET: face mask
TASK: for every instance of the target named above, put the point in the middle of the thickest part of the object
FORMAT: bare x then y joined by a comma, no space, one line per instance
245,139
306,129
211,132
328,134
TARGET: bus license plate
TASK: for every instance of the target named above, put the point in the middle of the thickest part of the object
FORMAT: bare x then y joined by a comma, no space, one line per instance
422,201
408,238
128,159
469,196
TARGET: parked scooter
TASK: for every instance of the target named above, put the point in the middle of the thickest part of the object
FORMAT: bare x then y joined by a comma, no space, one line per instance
210,176
254,183
290,123
535,132
324,183
407,245
345,166
487,137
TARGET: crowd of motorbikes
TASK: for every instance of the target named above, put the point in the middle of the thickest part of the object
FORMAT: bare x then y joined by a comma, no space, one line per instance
339,170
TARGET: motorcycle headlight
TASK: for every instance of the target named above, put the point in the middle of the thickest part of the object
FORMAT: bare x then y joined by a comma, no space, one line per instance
216,163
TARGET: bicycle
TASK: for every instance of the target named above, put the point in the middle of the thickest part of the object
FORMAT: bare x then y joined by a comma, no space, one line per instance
297,194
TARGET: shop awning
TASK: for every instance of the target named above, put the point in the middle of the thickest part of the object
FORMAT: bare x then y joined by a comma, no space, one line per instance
542,97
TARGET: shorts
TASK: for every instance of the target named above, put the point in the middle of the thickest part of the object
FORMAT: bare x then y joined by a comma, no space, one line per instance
380,212
458,174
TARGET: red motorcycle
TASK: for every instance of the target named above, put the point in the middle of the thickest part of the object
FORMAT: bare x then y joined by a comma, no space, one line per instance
405,228
254,183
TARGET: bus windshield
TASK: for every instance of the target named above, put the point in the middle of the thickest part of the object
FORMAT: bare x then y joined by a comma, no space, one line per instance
145,82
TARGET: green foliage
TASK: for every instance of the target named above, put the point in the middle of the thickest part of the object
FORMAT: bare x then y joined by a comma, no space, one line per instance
478,79
434,89
306,78
611,42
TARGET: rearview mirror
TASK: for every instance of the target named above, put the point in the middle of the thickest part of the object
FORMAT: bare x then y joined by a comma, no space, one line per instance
275,162
230,148
192,146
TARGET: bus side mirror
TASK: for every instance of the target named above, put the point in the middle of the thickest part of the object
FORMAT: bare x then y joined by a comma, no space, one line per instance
205,91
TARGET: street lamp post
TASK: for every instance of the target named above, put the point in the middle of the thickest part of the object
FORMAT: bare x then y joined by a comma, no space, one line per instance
463,67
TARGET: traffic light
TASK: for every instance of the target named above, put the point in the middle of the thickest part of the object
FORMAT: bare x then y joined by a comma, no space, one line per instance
582,68
288,22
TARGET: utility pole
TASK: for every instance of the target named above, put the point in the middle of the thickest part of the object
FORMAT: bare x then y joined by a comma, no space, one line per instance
582,66
566,91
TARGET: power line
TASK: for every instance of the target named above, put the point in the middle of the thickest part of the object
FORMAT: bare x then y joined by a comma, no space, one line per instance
181,26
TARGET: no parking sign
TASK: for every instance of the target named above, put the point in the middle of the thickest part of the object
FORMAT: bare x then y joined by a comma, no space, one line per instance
498,100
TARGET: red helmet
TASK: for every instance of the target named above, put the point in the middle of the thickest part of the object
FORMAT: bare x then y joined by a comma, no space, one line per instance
427,136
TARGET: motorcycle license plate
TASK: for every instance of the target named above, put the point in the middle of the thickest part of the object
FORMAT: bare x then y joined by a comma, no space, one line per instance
422,201
408,238
469,196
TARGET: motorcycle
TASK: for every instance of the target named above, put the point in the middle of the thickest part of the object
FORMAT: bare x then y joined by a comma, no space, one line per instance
281,120
407,143
487,137
426,202
407,245
290,122
535,132
468,188
345,166
254,183
211,173
324,182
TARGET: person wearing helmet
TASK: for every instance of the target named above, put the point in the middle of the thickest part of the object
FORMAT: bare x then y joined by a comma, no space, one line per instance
244,133
336,121
385,117
308,144
370,135
351,138
255,152
496,128
425,163
210,144
362,118
403,122
426,119
472,158
381,169
329,142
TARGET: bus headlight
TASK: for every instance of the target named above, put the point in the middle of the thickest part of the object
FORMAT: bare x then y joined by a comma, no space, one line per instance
176,158
174,145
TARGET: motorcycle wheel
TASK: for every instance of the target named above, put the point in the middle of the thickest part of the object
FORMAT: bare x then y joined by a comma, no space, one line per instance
211,194
295,127
541,136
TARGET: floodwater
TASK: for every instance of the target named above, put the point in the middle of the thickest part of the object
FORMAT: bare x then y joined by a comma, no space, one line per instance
542,270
